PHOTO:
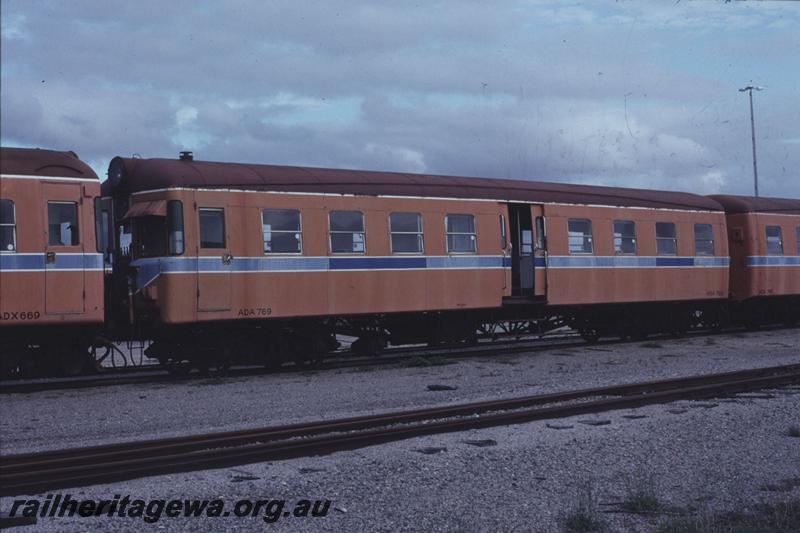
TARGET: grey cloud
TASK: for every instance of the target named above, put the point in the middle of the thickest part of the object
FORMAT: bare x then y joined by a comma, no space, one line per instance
569,91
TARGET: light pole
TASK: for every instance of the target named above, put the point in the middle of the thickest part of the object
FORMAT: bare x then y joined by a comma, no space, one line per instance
750,89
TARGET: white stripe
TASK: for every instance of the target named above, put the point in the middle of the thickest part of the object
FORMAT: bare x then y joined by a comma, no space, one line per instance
45,178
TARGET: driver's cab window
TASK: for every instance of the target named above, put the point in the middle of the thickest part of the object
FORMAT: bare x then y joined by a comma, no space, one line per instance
150,236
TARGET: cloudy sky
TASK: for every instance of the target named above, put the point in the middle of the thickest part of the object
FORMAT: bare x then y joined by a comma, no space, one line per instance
638,94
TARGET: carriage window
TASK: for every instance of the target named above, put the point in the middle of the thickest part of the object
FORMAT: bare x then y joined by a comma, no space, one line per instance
461,236
212,228
347,232
405,230
797,237
580,236
526,242
99,234
703,239
105,225
8,227
774,240
666,239
281,230
624,237
541,240
175,227
62,224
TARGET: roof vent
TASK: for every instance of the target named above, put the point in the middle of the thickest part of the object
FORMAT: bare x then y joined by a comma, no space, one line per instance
186,156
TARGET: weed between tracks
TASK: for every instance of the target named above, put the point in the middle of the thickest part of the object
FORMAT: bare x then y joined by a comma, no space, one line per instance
793,431
782,517
584,516
641,494
641,498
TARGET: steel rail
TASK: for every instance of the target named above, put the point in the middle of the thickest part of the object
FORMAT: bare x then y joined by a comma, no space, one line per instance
387,358
35,472
159,375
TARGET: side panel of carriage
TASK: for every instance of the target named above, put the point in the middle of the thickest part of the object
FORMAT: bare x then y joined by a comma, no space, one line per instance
604,255
50,270
765,252
249,255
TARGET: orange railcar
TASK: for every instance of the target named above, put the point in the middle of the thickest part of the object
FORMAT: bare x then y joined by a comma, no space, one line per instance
764,237
51,273
264,250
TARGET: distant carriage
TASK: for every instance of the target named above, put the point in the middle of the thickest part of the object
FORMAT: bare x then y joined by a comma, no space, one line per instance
51,272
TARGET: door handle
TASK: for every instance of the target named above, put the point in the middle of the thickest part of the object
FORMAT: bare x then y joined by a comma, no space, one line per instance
50,257
227,258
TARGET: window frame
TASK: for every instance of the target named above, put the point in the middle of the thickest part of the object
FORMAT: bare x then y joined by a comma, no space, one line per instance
420,234
711,240
362,232
591,236
76,233
780,239
299,230
474,234
619,251
13,226
673,239
200,230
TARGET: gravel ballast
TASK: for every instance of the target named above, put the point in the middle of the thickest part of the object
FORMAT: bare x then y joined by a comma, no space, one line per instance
711,454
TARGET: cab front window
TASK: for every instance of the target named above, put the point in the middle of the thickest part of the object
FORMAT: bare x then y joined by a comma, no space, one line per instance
150,236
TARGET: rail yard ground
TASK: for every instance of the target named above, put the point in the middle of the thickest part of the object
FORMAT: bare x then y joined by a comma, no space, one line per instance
634,470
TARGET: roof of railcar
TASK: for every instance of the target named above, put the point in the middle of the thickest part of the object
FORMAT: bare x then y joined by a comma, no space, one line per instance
151,174
38,162
752,204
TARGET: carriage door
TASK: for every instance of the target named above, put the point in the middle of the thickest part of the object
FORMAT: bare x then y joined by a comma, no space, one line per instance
539,252
521,249
214,261
63,262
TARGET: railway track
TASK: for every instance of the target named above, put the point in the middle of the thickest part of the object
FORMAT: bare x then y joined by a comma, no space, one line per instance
393,356
338,360
39,472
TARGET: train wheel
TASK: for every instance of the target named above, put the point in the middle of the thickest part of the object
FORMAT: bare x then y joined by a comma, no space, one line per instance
179,368
590,335
72,360
369,346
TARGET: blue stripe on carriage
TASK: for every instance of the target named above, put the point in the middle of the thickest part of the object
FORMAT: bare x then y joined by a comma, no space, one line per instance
773,260
149,269
632,261
36,262
376,263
